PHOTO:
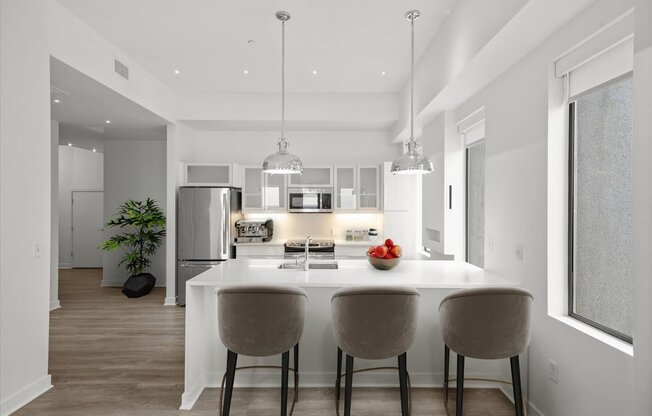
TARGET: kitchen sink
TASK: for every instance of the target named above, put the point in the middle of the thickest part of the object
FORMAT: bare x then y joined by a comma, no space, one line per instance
316,266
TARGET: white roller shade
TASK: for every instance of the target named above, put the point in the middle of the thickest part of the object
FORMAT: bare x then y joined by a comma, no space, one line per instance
605,55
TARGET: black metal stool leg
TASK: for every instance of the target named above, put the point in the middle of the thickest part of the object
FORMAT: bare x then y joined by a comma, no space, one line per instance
402,377
348,387
231,360
338,380
516,381
460,384
296,372
447,359
284,382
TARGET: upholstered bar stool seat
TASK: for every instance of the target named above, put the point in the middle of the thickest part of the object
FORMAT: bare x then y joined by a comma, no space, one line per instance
374,322
261,321
486,323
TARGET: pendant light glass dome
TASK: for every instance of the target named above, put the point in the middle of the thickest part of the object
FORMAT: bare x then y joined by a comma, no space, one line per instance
282,162
412,162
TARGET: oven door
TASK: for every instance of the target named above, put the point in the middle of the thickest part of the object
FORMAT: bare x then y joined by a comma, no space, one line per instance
304,200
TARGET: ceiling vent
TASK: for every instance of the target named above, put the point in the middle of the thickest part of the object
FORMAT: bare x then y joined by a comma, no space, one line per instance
121,69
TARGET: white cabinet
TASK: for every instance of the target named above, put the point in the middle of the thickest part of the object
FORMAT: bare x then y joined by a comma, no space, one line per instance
345,188
275,192
368,188
313,176
252,188
357,188
210,174
263,191
402,210
261,251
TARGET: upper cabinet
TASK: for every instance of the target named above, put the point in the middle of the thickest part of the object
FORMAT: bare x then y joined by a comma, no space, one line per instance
211,174
314,176
357,188
263,191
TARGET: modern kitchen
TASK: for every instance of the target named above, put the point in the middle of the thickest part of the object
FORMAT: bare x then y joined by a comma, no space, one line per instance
326,208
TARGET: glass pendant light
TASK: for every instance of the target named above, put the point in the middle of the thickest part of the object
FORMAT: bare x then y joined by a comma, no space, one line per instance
412,162
282,162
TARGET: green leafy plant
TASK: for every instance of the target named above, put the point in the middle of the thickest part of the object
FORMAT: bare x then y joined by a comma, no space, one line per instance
144,224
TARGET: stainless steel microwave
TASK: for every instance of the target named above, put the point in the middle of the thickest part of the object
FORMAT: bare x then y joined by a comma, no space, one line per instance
310,199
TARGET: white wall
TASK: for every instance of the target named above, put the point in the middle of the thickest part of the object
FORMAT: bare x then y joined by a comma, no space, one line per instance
643,208
54,215
25,205
594,378
312,147
79,170
133,169
433,183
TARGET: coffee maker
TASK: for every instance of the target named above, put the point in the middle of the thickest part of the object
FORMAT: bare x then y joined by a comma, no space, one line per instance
254,231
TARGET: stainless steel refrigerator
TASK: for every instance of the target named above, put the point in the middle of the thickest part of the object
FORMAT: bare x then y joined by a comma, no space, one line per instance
206,219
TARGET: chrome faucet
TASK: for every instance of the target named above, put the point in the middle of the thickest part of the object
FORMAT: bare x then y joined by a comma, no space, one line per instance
306,264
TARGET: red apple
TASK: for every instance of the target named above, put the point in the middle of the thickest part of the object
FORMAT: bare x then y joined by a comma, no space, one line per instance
389,255
381,251
389,243
373,254
371,250
396,251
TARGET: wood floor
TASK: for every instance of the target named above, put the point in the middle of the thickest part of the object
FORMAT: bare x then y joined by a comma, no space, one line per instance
110,355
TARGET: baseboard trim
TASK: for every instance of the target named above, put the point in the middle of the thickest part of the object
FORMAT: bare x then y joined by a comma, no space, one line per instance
65,266
509,393
54,304
26,395
170,301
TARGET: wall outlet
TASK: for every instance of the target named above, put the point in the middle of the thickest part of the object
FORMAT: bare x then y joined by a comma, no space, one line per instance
335,231
519,252
38,252
553,371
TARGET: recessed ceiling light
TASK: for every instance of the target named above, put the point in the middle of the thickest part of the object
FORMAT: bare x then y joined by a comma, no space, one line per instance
56,100
94,150
245,72
383,73
69,144
251,42
108,121
314,72
176,71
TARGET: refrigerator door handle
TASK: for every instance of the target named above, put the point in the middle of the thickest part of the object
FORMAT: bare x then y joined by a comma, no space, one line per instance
225,225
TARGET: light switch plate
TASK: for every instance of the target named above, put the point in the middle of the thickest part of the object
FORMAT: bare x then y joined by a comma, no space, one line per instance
519,252
38,252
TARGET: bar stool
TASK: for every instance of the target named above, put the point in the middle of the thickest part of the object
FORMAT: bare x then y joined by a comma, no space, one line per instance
489,324
374,323
261,321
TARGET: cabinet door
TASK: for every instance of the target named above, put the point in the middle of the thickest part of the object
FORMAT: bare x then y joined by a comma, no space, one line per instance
252,189
368,188
275,192
345,188
313,176
208,174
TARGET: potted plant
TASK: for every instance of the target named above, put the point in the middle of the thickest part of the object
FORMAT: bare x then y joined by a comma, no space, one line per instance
144,228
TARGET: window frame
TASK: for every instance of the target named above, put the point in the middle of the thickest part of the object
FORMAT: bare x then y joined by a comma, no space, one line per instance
571,226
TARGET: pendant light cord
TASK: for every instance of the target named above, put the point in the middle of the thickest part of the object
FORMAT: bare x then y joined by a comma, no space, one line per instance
412,85
283,80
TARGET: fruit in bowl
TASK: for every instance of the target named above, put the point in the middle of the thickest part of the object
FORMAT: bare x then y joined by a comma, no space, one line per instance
385,256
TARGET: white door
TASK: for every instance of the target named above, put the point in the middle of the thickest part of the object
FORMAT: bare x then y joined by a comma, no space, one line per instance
87,223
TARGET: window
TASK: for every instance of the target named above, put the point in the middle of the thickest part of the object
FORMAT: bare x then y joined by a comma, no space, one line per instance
475,158
600,208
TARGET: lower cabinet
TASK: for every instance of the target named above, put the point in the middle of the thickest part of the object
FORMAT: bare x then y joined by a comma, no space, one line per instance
259,251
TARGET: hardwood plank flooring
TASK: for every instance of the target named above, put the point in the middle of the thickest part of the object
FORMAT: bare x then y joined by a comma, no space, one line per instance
112,356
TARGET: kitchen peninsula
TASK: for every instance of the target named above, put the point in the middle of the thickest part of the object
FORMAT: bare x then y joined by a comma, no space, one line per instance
205,356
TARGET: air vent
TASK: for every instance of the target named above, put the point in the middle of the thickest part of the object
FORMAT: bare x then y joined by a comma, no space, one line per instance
121,69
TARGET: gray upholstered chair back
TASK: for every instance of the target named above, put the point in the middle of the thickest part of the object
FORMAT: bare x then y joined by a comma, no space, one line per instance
261,320
375,322
487,323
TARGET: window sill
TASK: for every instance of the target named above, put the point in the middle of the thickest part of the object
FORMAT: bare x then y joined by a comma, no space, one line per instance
595,333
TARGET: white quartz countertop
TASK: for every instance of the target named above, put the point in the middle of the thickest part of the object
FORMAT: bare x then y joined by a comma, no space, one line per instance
414,273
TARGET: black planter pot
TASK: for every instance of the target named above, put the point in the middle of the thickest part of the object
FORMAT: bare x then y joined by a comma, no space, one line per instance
139,285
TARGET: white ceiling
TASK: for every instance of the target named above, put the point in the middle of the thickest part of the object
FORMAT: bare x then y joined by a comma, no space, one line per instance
86,103
349,43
